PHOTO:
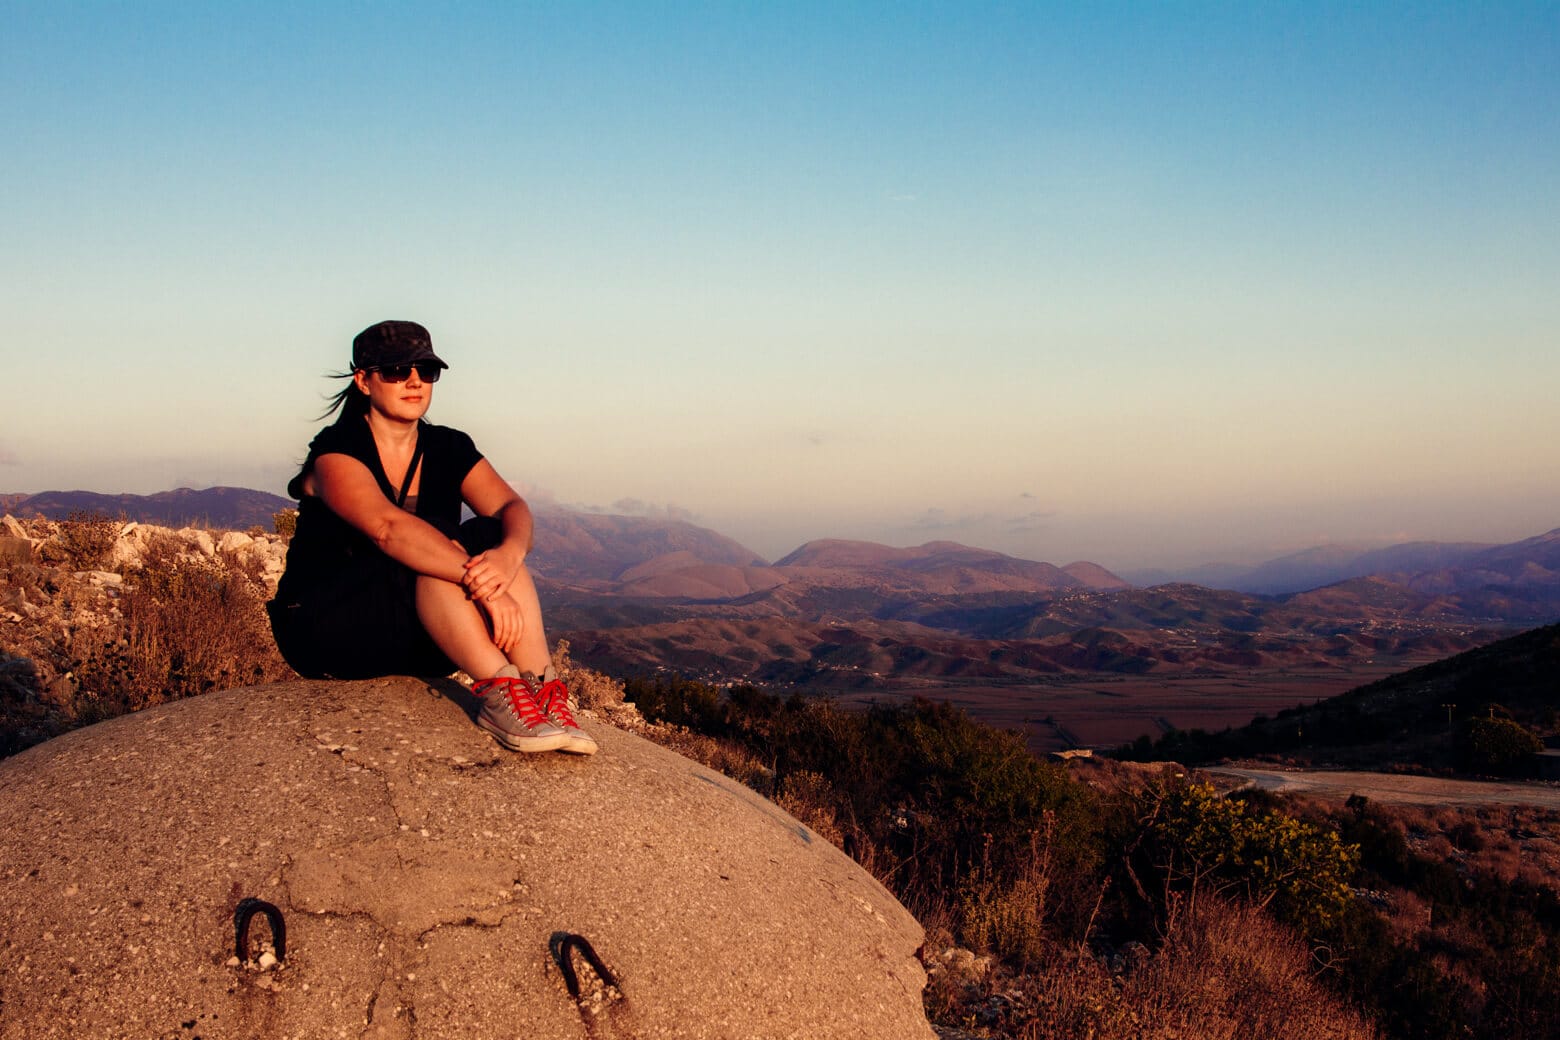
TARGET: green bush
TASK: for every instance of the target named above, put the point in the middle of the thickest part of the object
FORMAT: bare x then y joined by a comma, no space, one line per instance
1198,842
1496,745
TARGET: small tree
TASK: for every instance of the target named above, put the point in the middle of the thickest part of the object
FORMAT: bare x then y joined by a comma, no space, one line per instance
1496,745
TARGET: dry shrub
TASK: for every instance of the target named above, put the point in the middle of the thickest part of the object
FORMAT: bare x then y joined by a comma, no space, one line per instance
1227,972
1230,972
723,756
18,678
590,688
1077,997
1407,914
1006,915
812,799
82,542
24,718
191,624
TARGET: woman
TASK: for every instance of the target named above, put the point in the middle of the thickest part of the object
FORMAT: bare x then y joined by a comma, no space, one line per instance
383,579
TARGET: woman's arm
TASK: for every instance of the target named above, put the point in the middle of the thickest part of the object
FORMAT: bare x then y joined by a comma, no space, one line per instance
353,494
489,574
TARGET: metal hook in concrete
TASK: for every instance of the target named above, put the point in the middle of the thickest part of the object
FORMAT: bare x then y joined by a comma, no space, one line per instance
563,945
247,909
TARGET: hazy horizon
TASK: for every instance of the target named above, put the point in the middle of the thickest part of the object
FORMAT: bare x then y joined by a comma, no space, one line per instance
624,507
1144,286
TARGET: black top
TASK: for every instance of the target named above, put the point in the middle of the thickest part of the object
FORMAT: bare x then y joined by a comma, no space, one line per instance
325,549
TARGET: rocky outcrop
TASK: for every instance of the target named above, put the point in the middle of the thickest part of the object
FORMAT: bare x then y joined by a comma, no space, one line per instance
429,883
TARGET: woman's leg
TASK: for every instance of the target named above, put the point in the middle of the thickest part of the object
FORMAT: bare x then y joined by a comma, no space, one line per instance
457,627
461,630
509,710
531,653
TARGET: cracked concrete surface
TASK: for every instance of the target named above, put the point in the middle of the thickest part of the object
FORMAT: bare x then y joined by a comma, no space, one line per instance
421,870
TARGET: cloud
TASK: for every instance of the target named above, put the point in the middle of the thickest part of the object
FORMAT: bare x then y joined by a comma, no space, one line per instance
639,507
1034,520
534,494
8,457
935,519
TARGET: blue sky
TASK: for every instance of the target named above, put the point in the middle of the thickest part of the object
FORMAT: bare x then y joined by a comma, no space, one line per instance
1143,284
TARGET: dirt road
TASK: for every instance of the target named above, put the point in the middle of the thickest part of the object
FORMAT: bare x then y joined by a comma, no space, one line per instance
1395,787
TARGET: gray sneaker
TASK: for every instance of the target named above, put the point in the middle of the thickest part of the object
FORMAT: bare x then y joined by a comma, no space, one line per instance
510,713
554,698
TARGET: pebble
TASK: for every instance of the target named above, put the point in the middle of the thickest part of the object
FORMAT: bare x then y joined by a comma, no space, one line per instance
267,961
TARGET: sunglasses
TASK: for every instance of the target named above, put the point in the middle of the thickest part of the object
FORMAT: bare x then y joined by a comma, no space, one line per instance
427,371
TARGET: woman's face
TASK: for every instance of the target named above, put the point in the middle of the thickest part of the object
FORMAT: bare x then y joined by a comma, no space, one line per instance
406,401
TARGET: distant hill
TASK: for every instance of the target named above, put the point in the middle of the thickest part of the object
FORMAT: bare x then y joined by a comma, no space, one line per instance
941,567
1406,719
598,549
1517,583
842,613
643,559
218,507
1312,568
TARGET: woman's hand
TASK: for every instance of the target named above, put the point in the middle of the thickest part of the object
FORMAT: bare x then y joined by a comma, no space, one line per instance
489,574
504,616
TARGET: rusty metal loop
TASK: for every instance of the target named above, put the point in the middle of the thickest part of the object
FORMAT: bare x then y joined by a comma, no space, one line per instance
562,946
247,909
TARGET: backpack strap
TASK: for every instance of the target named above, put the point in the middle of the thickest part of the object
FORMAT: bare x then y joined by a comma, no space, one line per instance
411,471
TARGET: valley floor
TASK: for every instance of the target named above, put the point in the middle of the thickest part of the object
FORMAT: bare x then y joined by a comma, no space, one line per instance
1099,711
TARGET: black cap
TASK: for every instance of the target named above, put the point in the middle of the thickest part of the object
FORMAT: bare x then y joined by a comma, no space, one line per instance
393,343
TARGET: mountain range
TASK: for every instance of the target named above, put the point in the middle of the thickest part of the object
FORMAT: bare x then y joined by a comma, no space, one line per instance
1317,566
638,594
227,508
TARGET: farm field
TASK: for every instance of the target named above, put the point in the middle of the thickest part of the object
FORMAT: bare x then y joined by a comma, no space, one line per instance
1105,711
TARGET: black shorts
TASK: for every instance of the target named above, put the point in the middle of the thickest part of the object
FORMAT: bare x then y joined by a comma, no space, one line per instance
367,625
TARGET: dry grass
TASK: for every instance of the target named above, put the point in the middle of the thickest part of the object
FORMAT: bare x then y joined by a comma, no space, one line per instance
723,756
1007,915
1506,842
1228,972
811,799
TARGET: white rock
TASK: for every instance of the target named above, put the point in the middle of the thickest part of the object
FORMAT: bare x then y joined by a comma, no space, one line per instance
199,539
267,961
125,554
233,541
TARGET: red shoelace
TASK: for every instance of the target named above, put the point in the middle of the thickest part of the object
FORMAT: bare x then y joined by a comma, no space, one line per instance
554,697
519,695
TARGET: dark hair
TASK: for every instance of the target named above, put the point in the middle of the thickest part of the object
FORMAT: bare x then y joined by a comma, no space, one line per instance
349,401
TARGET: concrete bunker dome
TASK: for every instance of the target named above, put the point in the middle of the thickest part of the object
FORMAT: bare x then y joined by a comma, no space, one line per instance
426,878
